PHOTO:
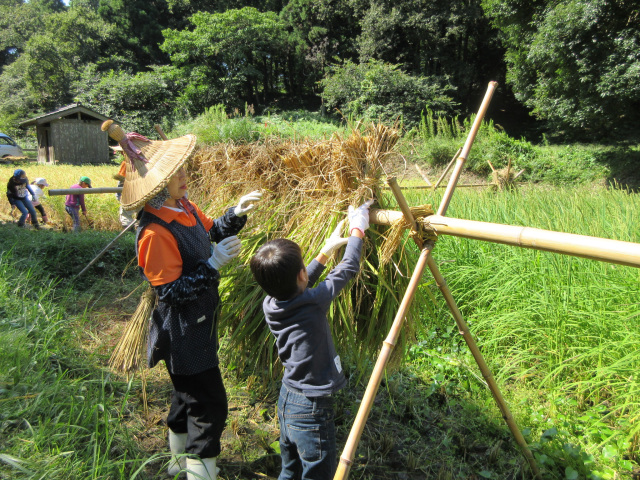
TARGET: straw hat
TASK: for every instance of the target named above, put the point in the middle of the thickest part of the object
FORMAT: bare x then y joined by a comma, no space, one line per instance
151,163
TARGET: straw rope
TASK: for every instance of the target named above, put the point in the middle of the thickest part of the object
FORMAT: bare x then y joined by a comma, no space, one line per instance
396,231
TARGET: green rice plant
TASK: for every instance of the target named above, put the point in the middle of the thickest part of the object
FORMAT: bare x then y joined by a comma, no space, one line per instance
563,325
60,418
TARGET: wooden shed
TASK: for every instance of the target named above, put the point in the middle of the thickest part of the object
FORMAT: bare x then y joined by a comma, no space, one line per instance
70,135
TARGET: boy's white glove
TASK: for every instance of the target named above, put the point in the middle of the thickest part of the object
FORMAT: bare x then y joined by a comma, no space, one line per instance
359,217
245,205
224,251
335,241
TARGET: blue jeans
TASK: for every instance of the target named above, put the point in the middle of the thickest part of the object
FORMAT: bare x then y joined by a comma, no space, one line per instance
26,207
74,213
307,436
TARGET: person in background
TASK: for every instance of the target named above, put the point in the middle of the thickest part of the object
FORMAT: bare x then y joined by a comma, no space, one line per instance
19,193
296,314
38,186
75,202
127,217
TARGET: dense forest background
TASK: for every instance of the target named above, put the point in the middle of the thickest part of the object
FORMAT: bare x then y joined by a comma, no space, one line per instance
572,65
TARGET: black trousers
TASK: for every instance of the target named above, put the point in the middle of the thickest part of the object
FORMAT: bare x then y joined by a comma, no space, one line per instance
199,408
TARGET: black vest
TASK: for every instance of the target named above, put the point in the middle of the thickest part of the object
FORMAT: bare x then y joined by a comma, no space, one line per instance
185,336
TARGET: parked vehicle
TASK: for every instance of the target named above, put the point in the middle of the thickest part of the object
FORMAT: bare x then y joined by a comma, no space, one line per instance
8,147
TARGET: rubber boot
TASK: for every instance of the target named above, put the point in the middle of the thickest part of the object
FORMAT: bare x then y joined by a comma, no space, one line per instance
202,469
177,442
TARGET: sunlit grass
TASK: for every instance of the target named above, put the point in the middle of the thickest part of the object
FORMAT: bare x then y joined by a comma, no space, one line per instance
565,326
102,209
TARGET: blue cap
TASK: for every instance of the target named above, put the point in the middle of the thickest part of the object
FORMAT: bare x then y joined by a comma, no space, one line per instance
18,172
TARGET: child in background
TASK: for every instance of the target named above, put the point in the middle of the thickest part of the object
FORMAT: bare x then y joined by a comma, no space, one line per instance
73,203
38,187
296,314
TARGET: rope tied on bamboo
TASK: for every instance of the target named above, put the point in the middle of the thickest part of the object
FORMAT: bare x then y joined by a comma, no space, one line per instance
423,234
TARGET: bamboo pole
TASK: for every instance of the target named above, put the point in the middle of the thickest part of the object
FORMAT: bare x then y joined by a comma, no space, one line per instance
444,204
484,368
348,453
594,248
126,229
424,176
446,170
84,191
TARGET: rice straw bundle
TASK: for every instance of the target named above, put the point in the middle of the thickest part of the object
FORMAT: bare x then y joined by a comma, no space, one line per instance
129,353
308,186
397,229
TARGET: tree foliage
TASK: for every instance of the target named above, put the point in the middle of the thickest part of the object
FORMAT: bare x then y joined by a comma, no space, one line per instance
576,63
231,58
380,91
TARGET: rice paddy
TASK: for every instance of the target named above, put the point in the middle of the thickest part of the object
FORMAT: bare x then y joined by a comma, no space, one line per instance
559,333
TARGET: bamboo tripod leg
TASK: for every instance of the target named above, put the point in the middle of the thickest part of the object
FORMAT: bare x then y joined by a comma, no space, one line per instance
348,453
486,373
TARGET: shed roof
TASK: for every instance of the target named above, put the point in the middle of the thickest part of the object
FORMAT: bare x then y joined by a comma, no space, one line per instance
61,113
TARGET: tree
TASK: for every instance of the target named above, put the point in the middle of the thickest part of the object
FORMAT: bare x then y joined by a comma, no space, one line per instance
576,63
380,91
50,48
450,39
233,57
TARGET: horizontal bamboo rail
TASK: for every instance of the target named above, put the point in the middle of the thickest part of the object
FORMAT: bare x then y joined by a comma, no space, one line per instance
594,248
84,191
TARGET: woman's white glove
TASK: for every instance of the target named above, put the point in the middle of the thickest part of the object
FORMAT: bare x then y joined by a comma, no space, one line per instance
359,217
335,241
224,251
245,205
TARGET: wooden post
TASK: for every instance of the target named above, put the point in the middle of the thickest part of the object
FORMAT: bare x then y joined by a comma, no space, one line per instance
446,170
84,191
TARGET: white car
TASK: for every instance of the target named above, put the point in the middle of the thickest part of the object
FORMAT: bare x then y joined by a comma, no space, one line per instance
9,148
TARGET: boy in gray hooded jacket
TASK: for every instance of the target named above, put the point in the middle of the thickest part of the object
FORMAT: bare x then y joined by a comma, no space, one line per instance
296,313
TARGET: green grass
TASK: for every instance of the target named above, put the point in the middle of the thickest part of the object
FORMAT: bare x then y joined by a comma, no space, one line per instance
560,333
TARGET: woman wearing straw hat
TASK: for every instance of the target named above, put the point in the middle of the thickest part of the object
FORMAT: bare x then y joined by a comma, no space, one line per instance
180,252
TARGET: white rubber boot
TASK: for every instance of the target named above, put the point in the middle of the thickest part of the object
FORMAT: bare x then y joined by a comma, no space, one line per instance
202,469
177,442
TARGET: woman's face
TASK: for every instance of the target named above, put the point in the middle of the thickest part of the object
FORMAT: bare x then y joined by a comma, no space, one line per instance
178,184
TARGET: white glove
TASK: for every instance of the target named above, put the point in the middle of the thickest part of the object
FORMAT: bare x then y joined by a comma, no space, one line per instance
335,241
359,217
224,251
245,205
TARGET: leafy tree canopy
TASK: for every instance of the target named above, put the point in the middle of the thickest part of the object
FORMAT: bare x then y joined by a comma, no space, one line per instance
381,91
576,63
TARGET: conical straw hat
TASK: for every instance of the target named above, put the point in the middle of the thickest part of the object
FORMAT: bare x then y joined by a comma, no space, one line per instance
150,171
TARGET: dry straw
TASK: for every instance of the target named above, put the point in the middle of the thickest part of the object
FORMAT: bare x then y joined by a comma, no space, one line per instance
307,187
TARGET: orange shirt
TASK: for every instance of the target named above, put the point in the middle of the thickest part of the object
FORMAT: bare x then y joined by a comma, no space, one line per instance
158,253
123,169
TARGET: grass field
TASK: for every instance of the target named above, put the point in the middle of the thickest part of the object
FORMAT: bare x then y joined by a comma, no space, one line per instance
559,333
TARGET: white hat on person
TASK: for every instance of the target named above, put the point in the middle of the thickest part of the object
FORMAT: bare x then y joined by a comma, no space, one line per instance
41,181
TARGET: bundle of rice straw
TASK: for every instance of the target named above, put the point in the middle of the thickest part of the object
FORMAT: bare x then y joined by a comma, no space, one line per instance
308,186
129,353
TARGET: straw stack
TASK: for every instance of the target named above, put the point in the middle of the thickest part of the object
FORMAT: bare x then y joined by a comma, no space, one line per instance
308,187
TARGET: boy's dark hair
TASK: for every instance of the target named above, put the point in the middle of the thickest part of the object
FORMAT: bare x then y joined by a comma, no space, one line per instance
276,265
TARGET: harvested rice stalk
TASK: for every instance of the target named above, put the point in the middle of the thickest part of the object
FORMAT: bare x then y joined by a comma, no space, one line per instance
308,186
129,353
